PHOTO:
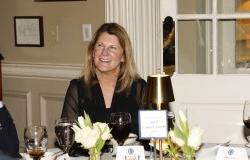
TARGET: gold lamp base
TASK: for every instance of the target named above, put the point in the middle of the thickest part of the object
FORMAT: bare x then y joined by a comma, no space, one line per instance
159,92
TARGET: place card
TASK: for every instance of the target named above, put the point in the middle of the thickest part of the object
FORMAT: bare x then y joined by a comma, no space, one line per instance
153,124
130,153
231,153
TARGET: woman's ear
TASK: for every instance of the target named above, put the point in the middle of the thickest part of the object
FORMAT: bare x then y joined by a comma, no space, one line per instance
123,59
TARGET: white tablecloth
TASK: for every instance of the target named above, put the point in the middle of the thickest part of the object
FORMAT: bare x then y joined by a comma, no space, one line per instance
207,152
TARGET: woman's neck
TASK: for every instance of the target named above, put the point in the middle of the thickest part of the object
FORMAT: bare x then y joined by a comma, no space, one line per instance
106,78
107,83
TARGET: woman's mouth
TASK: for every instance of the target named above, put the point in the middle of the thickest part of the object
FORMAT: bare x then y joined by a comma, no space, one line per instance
104,60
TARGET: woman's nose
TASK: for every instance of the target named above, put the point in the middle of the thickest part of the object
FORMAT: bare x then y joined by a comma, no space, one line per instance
105,51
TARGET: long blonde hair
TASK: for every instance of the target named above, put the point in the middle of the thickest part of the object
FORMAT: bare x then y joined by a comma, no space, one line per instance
127,72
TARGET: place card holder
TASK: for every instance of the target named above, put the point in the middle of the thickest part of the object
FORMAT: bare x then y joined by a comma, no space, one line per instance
153,124
130,153
231,153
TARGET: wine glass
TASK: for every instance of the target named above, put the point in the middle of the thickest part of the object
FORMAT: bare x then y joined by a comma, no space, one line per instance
246,119
36,141
64,133
120,124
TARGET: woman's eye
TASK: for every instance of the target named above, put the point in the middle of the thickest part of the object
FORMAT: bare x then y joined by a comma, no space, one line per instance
99,46
113,48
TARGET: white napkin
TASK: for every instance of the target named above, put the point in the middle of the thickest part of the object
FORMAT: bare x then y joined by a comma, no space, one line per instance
63,157
207,153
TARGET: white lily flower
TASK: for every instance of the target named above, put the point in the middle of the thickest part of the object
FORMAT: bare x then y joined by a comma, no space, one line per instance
81,133
91,136
195,137
104,130
90,141
176,139
188,140
81,121
182,116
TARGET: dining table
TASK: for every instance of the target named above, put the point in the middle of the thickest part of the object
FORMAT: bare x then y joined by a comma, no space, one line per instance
208,151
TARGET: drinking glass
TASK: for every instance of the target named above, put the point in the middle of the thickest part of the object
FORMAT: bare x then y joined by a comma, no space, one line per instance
36,141
120,124
246,119
64,133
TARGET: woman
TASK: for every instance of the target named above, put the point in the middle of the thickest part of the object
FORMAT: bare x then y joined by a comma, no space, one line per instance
110,82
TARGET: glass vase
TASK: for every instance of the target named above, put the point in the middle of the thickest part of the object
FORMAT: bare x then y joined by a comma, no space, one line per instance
183,157
187,157
94,155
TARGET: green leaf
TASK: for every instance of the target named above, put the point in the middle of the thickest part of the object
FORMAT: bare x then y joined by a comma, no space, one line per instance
100,142
87,120
178,132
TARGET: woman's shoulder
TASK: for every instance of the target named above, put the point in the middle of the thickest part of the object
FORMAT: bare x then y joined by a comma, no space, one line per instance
139,84
77,81
140,81
76,84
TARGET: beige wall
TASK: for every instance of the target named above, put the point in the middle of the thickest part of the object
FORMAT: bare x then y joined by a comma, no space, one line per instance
35,79
34,102
68,16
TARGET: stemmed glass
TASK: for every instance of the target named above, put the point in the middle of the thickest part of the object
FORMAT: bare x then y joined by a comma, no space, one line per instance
36,141
246,119
120,124
64,133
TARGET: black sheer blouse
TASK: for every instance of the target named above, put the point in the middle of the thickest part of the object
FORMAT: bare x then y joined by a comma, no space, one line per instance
80,98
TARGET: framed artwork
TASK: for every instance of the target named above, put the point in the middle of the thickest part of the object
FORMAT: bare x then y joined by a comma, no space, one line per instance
28,31
55,0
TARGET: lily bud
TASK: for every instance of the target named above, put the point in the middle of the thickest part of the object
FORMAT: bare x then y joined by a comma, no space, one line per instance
195,137
176,139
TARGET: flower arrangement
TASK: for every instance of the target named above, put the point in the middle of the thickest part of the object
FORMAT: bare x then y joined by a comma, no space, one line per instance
182,142
91,136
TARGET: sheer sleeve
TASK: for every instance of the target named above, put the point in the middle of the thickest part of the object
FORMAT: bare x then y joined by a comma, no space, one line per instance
70,106
140,93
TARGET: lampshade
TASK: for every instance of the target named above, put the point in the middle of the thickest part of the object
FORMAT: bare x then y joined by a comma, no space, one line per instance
159,91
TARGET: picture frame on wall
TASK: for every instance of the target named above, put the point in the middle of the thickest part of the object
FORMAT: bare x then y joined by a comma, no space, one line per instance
55,0
28,31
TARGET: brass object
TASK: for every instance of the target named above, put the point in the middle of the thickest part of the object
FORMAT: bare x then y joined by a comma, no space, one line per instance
158,95
159,91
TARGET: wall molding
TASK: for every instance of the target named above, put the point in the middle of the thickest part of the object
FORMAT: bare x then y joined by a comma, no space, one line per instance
24,95
41,71
44,98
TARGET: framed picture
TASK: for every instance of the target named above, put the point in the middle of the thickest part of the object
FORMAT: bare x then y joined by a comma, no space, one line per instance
28,31
55,0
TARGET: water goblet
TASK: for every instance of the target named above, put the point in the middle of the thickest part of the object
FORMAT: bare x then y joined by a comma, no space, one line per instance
64,133
36,141
120,124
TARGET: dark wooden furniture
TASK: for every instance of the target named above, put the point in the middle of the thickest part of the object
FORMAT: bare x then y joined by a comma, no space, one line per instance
1,87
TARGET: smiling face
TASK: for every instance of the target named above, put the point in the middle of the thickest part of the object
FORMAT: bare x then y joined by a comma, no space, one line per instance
108,54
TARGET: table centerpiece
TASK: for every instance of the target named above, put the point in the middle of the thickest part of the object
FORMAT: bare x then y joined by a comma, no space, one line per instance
183,142
92,136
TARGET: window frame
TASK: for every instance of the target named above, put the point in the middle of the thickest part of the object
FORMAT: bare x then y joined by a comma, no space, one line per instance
214,17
